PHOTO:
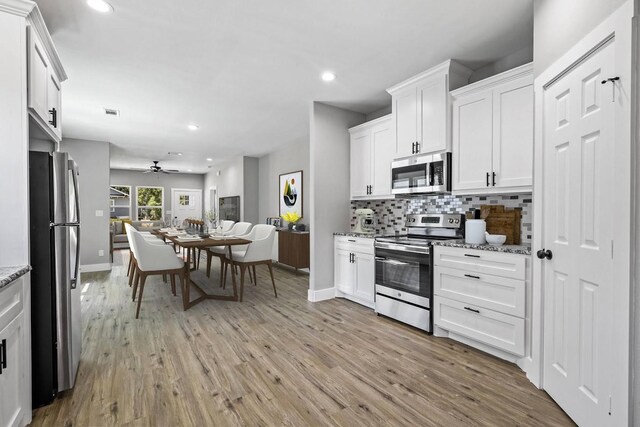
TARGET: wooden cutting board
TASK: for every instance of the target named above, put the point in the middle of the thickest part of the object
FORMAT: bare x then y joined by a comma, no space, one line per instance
503,221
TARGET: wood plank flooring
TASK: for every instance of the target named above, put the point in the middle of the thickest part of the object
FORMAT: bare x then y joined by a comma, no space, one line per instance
283,361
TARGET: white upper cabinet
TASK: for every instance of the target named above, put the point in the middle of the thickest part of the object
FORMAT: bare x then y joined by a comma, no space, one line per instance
493,134
45,73
372,151
421,109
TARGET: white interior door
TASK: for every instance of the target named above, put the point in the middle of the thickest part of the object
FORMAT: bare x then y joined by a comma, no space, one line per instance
578,222
186,203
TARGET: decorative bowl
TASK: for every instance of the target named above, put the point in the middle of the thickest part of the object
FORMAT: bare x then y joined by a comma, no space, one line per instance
495,239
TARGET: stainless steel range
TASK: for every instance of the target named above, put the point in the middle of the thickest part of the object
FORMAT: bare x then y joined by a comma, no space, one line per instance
404,273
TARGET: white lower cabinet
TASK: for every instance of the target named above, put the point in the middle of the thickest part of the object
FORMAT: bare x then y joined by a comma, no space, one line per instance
480,298
354,269
15,368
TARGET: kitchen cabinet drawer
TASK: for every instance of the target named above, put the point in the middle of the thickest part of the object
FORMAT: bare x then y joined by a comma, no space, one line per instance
495,263
483,290
498,330
354,244
11,303
405,313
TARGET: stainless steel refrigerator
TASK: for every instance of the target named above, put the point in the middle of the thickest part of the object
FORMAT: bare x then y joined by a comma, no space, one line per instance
55,281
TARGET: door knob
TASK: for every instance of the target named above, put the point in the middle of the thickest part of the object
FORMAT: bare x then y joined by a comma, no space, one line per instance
542,254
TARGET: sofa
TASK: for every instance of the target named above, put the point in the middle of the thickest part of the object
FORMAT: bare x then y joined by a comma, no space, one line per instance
119,235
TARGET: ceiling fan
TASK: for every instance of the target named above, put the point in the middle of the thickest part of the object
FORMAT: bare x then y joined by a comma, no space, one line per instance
156,169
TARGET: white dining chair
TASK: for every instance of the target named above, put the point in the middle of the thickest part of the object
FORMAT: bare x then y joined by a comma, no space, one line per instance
129,230
154,259
226,225
238,229
258,252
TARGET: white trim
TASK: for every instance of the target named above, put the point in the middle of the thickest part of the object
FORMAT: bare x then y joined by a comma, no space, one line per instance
366,125
162,209
36,20
525,70
321,295
17,7
89,268
618,24
448,66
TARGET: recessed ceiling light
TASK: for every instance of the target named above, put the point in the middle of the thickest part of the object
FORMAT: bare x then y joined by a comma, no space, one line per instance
209,159
100,6
328,76
193,127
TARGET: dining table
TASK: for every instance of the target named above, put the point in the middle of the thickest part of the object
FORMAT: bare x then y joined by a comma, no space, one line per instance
193,245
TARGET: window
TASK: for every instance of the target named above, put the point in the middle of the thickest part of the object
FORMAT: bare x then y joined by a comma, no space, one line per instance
120,201
150,202
184,200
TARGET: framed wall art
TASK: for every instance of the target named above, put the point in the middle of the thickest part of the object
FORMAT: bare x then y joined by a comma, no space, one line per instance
290,193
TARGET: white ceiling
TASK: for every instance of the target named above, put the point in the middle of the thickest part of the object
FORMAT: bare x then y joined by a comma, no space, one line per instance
246,71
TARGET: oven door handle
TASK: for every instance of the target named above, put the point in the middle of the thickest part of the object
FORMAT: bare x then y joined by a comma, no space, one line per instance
391,261
403,248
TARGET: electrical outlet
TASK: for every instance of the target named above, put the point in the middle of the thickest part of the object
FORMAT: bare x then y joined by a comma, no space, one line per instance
100,252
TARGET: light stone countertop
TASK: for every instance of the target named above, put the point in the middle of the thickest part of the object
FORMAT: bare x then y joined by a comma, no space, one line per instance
10,273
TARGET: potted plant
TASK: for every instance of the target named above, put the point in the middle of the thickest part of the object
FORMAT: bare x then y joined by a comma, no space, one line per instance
292,218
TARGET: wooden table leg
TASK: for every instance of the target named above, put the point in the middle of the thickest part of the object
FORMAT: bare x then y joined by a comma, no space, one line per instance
233,273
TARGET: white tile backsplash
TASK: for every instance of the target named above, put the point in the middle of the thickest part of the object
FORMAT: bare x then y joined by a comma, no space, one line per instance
389,214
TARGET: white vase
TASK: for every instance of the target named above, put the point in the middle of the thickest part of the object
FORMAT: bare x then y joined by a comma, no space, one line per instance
474,231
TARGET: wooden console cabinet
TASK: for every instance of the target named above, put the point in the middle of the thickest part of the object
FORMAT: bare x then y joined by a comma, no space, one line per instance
293,248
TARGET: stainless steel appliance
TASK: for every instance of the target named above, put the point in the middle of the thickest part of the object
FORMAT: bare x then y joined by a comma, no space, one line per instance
421,174
364,221
404,273
55,261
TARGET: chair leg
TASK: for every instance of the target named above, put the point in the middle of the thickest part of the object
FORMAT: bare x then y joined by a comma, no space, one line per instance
209,256
142,280
250,274
134,267
164,277
136,280
242,269
198,258
129,267
222,267
224,279
272,280
173,284
255,277
183,285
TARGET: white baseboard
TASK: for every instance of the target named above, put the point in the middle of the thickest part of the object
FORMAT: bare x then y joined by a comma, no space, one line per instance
321,295
89,268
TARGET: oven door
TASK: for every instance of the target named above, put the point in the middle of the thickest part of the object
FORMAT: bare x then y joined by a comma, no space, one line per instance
404,270
411,175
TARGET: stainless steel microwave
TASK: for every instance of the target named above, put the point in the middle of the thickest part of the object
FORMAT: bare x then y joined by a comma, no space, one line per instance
422,174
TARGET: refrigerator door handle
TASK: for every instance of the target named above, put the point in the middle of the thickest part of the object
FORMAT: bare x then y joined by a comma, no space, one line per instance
74,279
76,195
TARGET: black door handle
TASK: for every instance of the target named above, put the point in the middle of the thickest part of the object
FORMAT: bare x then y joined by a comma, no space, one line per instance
3,356
487,179
494,179
472,309
542,254
472,276
413,148
54,118
417,147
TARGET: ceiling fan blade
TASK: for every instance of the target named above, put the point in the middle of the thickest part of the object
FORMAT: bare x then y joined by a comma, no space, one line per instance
169,171
147,171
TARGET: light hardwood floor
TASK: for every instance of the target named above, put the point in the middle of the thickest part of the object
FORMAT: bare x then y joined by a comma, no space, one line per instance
283,361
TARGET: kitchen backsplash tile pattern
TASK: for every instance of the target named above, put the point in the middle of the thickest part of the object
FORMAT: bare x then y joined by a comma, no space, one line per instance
389,214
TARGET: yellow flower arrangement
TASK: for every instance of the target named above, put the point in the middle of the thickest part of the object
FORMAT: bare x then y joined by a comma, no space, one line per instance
291,217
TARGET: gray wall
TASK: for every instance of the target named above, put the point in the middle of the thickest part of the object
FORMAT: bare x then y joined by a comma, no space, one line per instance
513,60
251,191
92,158
292,158
329,185
560,24
176,180
232,178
